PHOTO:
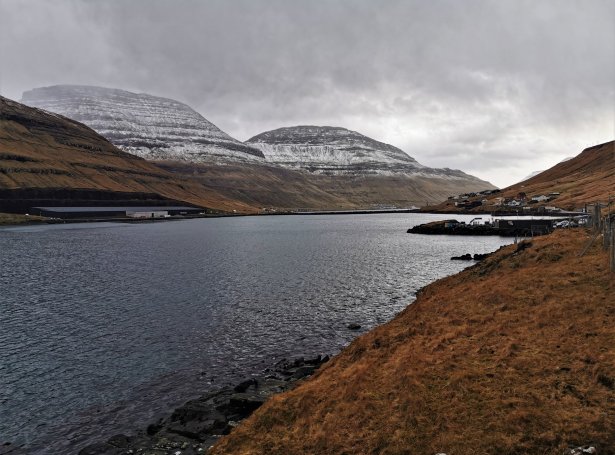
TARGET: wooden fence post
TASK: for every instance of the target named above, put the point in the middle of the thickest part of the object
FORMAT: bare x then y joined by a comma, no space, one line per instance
612,223
597,217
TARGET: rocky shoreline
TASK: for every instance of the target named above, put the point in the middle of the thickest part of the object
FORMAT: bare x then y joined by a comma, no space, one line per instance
195,426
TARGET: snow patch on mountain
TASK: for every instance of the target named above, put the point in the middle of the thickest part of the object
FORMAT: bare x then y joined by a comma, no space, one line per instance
339,151
148,126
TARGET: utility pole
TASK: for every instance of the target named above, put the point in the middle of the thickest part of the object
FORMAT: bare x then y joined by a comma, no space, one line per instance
596,217
610,220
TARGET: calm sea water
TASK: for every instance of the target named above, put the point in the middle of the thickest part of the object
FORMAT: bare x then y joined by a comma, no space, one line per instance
104,327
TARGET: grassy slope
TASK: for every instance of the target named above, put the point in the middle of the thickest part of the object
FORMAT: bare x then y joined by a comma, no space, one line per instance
11,218
259,186
587,178
268,186
514,355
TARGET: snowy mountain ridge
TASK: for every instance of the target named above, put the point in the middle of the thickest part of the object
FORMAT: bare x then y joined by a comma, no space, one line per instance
339,151
163,129
151,127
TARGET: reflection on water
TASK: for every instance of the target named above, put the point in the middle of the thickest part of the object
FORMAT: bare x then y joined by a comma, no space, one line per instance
104,326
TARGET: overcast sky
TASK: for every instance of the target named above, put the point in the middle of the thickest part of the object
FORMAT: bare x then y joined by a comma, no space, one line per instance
496,88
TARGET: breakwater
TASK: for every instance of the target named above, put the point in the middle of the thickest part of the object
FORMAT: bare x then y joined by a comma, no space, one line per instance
502,228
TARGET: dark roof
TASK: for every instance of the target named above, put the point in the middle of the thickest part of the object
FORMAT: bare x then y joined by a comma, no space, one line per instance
116,209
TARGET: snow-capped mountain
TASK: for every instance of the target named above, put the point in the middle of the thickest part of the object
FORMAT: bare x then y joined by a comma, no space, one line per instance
339,151
148,126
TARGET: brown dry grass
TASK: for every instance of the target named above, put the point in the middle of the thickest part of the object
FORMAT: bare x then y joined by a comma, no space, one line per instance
515,355
268,186
587,178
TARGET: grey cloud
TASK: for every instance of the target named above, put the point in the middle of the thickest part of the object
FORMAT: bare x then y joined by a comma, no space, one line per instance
472,85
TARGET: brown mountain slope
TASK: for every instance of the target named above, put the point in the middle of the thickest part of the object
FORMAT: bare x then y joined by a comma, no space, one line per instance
515,355
258,186
399,190
585,179
40,150
271,186
588,177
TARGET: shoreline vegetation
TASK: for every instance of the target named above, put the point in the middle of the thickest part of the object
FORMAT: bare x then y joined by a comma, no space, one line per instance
512,355
9,219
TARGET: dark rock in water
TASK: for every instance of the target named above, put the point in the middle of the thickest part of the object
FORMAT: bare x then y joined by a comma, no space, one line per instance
245,403
243,386
101,449
271,386
303,371
314,361
153,428
199,430
464,257
119,440
469,257
354,326
196,425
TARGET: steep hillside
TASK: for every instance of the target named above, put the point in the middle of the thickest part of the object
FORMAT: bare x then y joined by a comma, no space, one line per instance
262,187
535,173
148,126
43,153
288,189
512,356
587,178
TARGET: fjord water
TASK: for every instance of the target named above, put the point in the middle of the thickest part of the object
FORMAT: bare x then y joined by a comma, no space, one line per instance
104,327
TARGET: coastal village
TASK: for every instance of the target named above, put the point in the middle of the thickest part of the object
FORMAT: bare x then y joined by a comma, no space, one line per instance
527,204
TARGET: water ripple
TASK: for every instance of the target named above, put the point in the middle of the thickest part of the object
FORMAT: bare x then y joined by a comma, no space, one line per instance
104,327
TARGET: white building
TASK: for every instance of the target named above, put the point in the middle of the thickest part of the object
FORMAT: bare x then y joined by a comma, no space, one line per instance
147,214
541,198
